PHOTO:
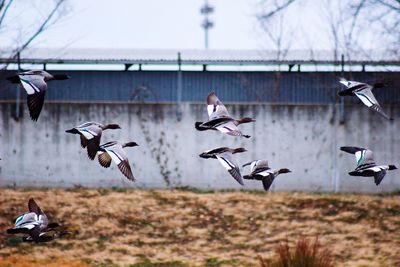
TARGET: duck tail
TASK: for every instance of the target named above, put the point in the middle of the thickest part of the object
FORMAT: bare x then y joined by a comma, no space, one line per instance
199,127
14,79
246,136
248,177
245,120
72,131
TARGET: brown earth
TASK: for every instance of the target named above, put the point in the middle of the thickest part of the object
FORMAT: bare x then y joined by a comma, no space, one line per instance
192,228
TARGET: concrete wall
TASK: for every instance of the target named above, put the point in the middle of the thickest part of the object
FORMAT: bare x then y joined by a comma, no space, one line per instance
305,139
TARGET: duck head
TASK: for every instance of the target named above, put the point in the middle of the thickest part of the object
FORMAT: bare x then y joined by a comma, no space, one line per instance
392,167
130,144
284,170
111,126
212,99
60,77
204,155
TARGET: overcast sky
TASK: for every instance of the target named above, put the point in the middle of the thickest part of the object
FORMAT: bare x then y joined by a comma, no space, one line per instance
175,24
142,24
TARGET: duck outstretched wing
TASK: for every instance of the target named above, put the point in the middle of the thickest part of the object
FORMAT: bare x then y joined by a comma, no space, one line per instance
378,176
363,155
215,108
231,166
267,181
368,98
104,159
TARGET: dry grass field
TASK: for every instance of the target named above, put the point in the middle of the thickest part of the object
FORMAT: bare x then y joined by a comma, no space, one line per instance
191,228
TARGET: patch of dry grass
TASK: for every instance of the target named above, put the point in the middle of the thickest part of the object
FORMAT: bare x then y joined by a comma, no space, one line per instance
304,254
184,228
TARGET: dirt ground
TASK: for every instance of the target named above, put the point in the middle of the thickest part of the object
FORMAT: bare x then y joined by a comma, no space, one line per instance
193,228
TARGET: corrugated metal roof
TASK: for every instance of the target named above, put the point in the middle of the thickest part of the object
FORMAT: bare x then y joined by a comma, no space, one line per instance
194,57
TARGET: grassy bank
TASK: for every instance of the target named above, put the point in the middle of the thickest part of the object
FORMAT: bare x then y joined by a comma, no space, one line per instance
196,228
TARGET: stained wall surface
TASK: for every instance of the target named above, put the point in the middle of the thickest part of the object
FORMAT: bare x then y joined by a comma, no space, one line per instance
303,138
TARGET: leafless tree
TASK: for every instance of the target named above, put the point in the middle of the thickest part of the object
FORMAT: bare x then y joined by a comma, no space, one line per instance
352,26
50,12
279,36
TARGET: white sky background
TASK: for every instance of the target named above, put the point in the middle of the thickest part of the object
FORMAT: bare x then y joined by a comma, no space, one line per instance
139,24
175,24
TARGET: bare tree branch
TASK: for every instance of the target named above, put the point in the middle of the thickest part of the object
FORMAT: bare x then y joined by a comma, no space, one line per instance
4,12
41,29
390,5
354,21
276,10
353,25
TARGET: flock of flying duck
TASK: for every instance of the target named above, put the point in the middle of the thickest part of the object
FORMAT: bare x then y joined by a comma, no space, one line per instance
34,224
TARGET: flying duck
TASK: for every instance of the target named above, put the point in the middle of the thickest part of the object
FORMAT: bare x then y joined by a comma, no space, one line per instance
114,151
224,156
366,165
90,134
219,118
364,92
34,83
34,224
261,172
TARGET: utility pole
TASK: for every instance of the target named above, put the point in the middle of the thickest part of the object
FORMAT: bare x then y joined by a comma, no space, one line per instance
207,24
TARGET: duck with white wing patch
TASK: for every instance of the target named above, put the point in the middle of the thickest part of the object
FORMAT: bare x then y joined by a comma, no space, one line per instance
35,84
35,225
366,165
90,134
114,151
364,92
219,118
224,156
259,170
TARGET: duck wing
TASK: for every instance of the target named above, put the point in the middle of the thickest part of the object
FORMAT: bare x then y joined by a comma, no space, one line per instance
126,170
35,233
90,135
213,152
378,176
216,122
259,166
267,181
24,223
229,128
93,146
35,104
34,207
84,141
230,165
363,156
35,87
215,108
368,98
118,156
352,84
104,159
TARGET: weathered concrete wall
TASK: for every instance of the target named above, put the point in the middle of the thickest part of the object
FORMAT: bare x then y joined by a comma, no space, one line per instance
305,139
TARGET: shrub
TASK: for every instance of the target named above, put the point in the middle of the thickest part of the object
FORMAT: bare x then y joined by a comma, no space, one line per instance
304,254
